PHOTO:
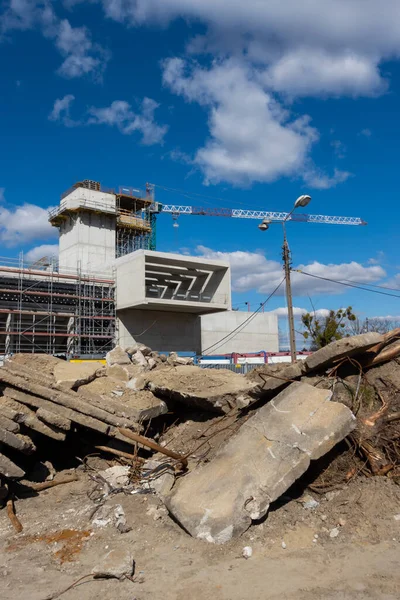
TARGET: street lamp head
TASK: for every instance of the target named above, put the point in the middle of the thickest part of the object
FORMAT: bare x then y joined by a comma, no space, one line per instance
264,225
302,201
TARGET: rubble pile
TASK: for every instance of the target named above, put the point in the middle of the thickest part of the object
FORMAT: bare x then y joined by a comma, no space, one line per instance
223,446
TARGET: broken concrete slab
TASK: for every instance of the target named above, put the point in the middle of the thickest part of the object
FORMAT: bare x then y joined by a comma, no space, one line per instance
269,453
117,356
211,389
274,377
117,563
144,404
72,375
348,346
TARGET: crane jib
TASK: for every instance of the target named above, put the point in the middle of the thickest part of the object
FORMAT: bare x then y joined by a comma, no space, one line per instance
238,213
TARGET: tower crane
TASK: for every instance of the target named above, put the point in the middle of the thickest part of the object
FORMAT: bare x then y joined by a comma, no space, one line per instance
267,217
238,213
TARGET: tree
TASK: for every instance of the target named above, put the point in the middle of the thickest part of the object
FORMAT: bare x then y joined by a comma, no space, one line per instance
374,324
321,331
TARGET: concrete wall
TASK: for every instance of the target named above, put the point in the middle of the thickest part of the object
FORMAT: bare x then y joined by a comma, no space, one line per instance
85,197
261,333
87,241
162,331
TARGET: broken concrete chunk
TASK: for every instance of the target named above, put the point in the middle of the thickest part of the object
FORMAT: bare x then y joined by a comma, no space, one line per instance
117,563
117,356
117,476
348,346
272,378
72,375
19,442
269,453
215,390
9,469
173,359
139,359
145,350
118,372
144,405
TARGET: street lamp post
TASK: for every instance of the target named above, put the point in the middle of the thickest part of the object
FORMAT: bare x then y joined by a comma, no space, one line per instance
300,202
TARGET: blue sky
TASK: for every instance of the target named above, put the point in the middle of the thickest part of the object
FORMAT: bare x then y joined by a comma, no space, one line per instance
249,103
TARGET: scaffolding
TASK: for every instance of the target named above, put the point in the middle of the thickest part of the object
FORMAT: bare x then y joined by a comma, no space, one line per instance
45,311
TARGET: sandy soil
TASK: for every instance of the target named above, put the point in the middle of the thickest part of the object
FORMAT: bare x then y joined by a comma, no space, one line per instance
60,544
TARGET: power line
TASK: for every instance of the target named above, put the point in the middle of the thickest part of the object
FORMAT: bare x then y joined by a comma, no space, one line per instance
242,325
358,287
381,287
196,194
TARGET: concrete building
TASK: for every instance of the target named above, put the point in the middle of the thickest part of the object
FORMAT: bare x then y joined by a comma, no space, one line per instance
260,333
159,297
110,286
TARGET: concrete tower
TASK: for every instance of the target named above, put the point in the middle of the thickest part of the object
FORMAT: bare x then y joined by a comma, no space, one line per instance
97,225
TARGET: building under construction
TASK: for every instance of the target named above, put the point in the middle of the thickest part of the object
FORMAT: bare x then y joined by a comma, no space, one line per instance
68,306
110,286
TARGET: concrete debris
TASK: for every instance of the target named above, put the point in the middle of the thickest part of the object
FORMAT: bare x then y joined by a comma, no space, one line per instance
117,356
118,563
272,449
229,447
215,390
9,469
120,520
247,552
334,532
73,375
156,512
174,360
116,477
159,476
273,378
308,502
348,346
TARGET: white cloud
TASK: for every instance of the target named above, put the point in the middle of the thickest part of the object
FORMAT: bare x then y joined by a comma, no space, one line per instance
2,190
121,115
339,148
24,223
292,49
282,312
252,137
308,47
319,180
307,72
61,111
253,271
45,250
366,133
81,55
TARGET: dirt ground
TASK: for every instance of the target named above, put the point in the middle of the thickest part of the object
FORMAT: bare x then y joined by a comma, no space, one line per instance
294,555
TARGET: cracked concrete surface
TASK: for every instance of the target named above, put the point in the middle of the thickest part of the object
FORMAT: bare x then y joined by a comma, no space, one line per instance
268,454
